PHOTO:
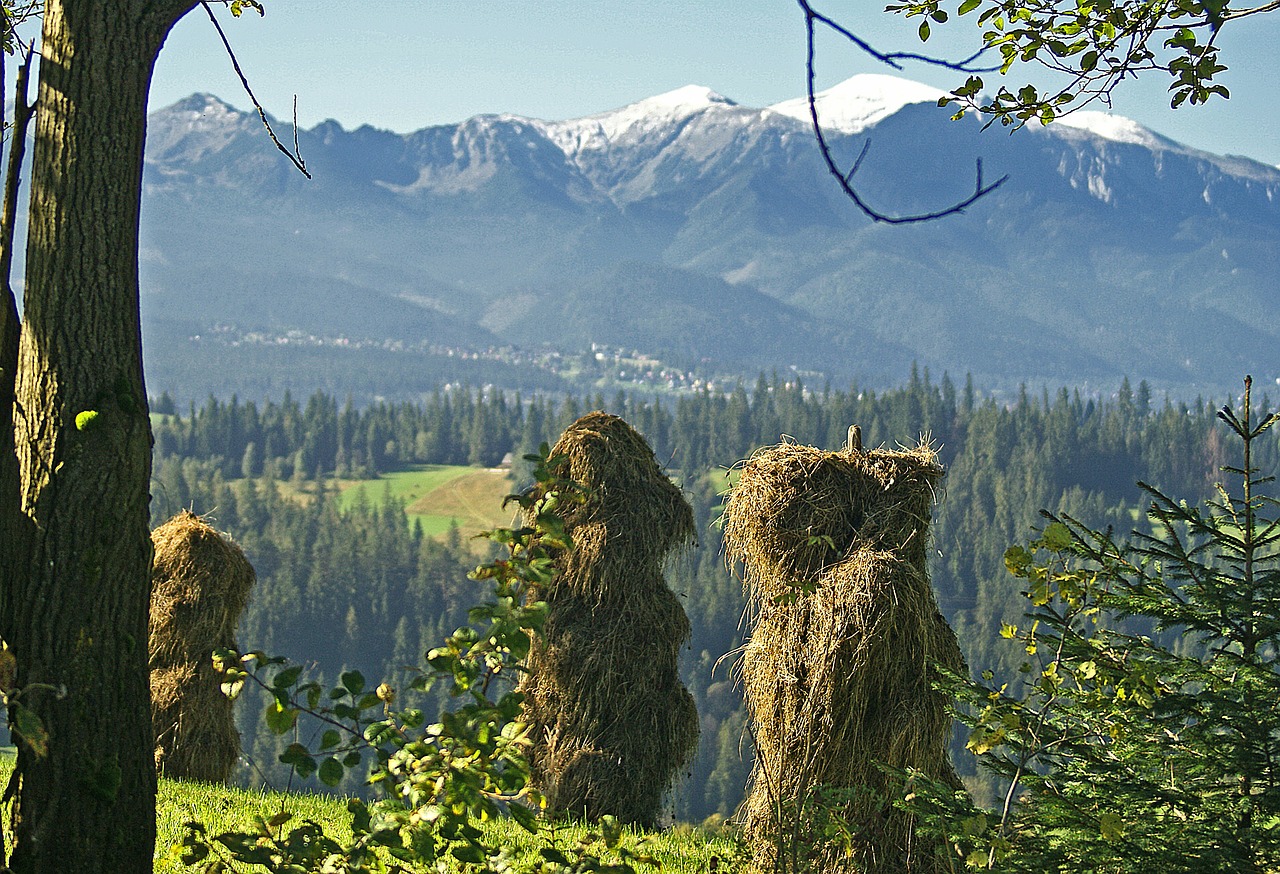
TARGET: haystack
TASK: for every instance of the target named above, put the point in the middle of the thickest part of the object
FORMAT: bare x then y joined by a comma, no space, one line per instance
610,721
846,639
200,583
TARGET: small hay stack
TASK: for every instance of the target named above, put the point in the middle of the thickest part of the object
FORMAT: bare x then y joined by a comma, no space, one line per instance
611,723
200,583
837,675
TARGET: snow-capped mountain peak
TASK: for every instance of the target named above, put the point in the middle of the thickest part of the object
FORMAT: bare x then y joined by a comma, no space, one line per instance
205,112
860,102
639,118
196,125
683,101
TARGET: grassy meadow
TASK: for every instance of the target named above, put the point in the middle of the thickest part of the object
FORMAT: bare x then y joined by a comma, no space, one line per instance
680,850
438,496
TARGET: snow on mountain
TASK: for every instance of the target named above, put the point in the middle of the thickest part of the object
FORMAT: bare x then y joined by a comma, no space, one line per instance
204,112
645,117
201,121
1083,125
860,102
1116,128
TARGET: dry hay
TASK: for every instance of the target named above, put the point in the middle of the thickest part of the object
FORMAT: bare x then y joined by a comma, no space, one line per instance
200,583
610,721
847,630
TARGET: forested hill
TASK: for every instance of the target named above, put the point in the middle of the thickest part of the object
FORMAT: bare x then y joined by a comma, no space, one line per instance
359,587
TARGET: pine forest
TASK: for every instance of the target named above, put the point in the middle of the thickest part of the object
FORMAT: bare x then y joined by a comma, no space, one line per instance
354,585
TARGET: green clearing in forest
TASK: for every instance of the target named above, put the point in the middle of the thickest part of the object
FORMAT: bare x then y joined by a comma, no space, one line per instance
439,496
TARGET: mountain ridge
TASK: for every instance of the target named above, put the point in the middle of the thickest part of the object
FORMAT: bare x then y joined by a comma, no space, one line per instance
1110,252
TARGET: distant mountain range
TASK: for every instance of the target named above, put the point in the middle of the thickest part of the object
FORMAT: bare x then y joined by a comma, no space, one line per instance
706,235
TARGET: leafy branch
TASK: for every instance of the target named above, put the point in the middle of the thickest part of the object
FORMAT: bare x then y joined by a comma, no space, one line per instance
438,781
1092,45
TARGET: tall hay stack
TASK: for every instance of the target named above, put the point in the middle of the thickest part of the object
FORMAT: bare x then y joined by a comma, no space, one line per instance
200,583
839,666
611,723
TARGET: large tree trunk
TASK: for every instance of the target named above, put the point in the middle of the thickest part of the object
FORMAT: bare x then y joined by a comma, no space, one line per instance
76,587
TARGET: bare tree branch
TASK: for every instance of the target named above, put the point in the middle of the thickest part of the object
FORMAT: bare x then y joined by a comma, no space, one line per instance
23,112
10,323
812,18
295,156
1232,14
893,59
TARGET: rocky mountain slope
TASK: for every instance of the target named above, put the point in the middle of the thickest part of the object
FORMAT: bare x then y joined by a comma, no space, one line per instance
708,234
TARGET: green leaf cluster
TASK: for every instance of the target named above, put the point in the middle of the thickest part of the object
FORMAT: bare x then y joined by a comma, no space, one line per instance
239,6
1090,46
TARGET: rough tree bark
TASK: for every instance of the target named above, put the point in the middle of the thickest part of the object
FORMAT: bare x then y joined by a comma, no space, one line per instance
74,569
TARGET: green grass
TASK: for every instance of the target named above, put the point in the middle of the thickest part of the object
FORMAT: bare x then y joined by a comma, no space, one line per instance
723,481
409,485
472,501
438,496
680,850
221,809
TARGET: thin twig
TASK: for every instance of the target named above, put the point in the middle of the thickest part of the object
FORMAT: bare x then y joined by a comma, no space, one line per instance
845,179
295,157
1229,15
893,59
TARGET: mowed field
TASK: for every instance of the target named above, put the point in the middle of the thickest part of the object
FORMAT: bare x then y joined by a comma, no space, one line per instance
440,496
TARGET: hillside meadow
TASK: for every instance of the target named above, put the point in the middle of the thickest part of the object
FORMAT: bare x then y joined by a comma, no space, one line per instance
435,496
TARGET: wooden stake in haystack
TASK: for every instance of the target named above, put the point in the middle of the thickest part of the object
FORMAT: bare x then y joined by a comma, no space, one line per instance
200,583
611,723
846,639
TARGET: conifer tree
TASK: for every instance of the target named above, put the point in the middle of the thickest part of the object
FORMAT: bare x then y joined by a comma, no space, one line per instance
1146,735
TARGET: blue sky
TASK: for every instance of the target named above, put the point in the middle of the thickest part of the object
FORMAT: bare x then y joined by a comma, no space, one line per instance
407,64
